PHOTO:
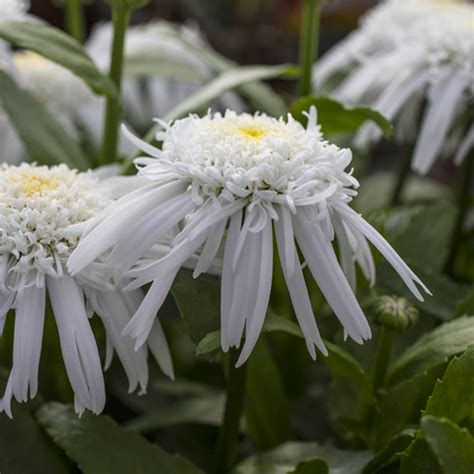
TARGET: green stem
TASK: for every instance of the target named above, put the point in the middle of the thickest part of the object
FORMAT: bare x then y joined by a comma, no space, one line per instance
120,19
229,432
466,172
309,39
402,175
75,20
382,357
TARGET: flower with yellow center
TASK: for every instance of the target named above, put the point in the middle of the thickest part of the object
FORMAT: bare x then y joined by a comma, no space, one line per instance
42,212
233,180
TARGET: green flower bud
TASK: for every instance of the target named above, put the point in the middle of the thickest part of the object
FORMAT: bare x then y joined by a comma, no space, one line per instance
128,4
395,313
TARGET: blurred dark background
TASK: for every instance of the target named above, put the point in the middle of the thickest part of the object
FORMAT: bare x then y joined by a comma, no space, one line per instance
248,31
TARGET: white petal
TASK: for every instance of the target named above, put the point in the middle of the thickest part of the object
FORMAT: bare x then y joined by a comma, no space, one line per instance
78,345
159,348
325,269
264,275
227,281
437,121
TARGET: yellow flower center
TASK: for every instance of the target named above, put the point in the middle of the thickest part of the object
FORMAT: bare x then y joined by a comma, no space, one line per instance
253,132
24,59
33,185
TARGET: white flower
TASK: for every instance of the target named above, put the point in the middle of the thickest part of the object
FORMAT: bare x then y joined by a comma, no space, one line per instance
410,58
154,93
42,212
235,179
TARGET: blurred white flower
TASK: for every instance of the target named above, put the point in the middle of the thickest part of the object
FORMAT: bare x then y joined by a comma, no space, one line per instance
410,58
160,72
235,178
42,213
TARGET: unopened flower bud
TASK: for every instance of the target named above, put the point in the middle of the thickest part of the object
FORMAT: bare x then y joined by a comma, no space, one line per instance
395,313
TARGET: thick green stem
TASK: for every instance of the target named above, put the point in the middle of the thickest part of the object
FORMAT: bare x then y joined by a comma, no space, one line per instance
75,20
309,39
382,357
402,175
120,18
466,173
229,432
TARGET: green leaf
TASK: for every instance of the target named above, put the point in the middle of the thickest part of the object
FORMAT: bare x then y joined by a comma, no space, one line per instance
388,454
266,405
273,322
198,301
59,47
424,238
315,466
226,81
434,348
346,369
401,405
453,446
289,455
466,306
446,293
419,459
336,118
98,445
453,397
46,140
24,446
158,64
203,410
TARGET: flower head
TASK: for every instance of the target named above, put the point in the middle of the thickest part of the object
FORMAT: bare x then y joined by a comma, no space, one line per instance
410,60
234,179
42,211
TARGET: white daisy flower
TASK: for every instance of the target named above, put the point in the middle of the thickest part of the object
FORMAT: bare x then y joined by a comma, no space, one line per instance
42,212
148,95
410,58
236,179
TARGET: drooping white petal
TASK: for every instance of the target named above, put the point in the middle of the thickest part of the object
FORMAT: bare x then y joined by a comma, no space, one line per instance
227,281
78,345
438,119
264,275
111,308
29,323
325,269
406,274
159,348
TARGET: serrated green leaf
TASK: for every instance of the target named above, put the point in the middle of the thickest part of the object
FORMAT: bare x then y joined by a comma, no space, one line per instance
315,466
453,446
24,446
433,349
227,81
45,140
419,459
388,454
453,396
59,47
289,455
98,445
266,405
273,322
401,405
336,118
